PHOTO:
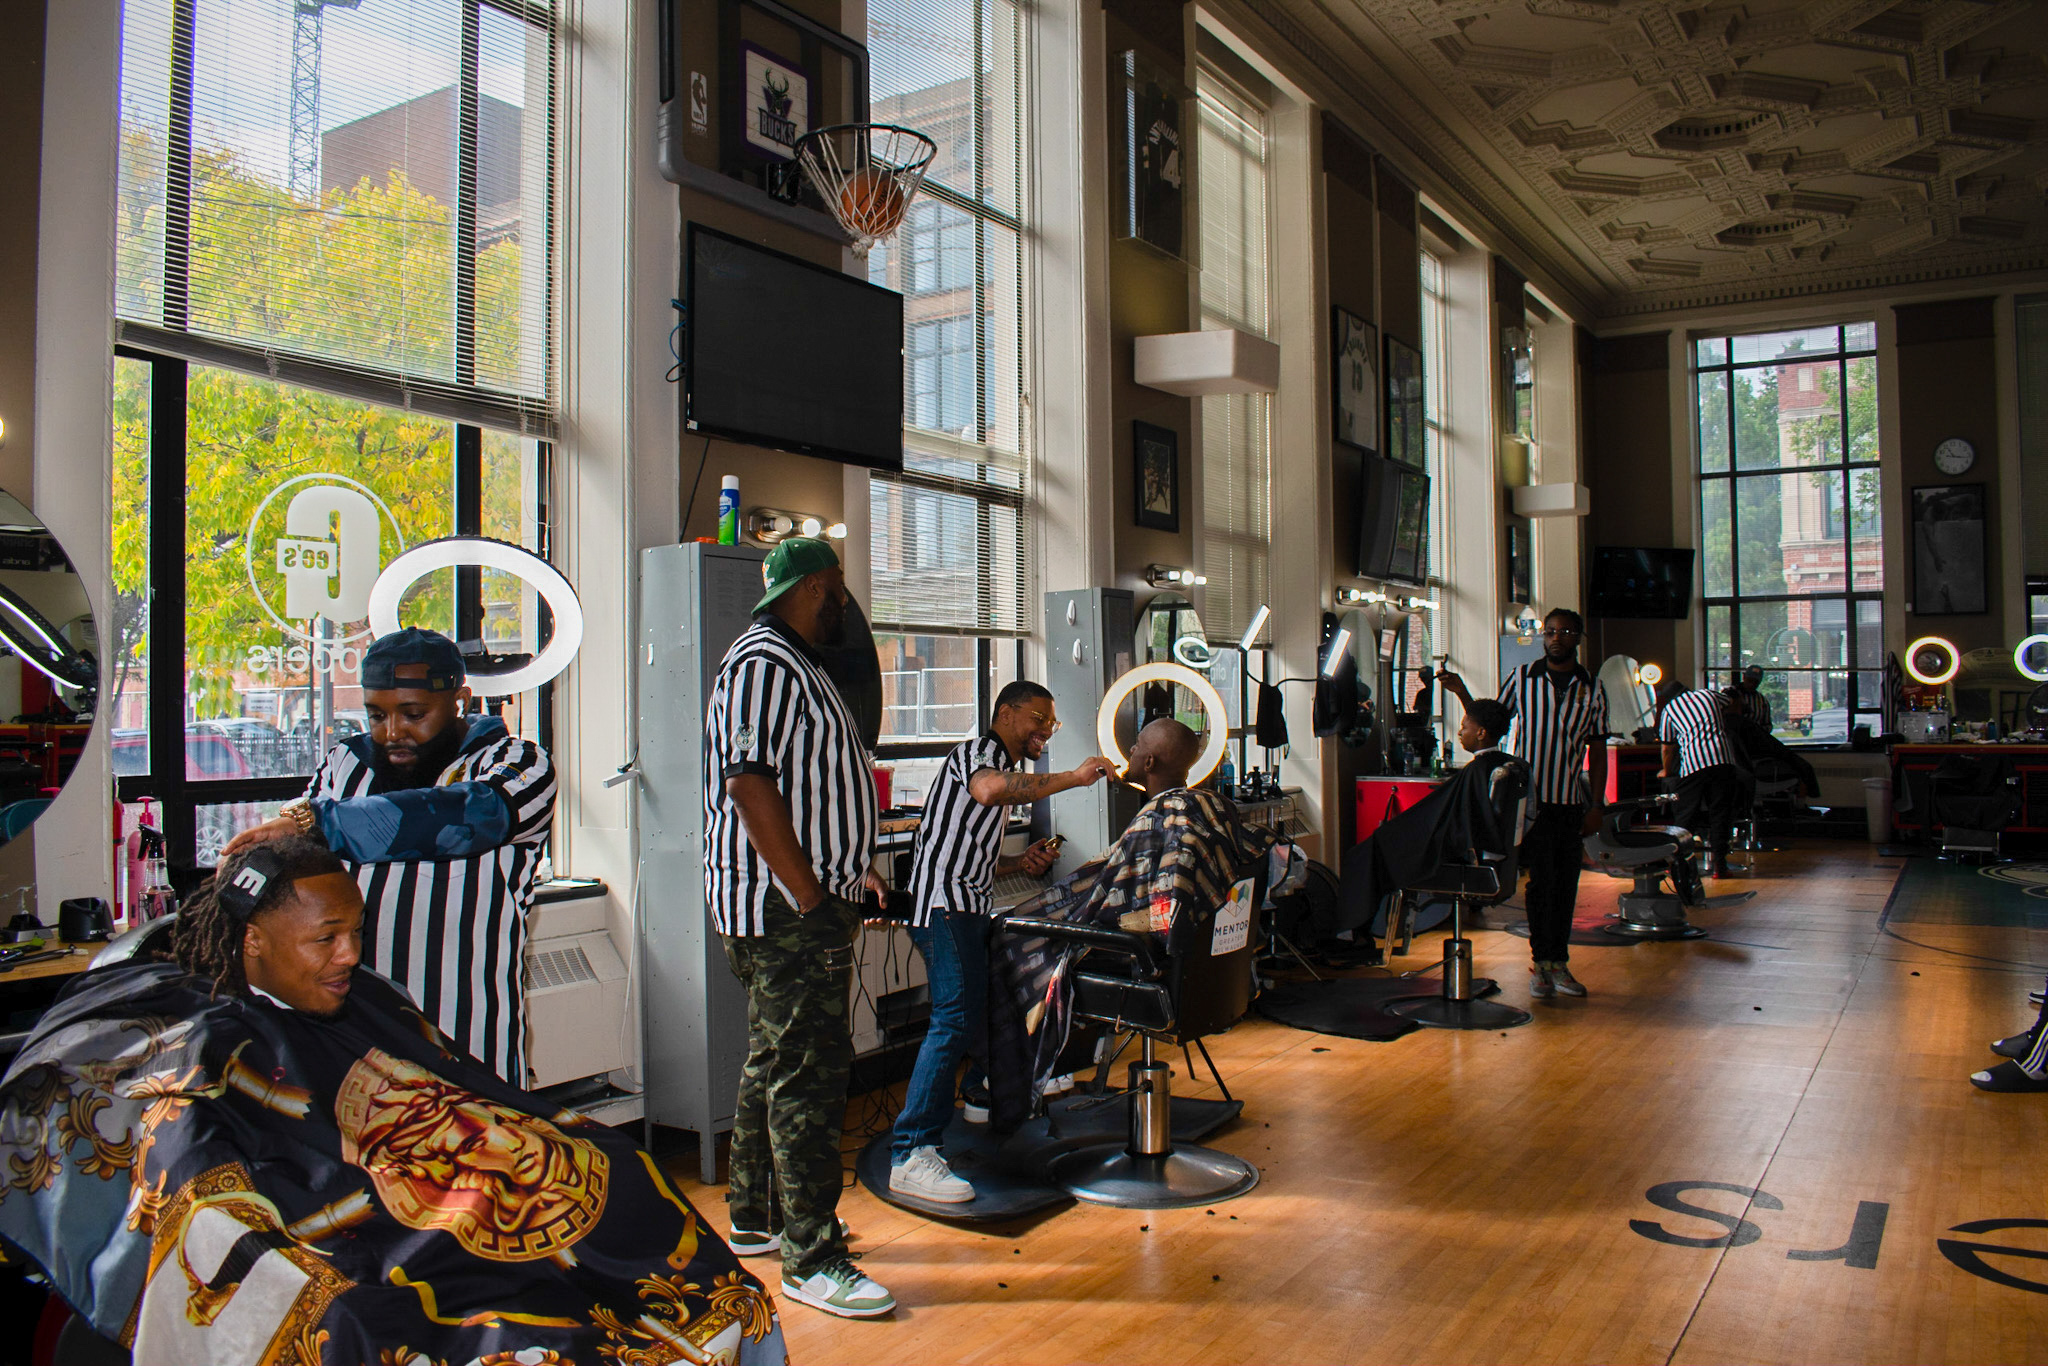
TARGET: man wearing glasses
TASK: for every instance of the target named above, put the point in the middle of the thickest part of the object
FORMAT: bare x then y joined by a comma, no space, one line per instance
1560,731
952,886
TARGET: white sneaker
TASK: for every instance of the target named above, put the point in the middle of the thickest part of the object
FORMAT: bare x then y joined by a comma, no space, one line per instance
841,1290
1057,1086
925,1175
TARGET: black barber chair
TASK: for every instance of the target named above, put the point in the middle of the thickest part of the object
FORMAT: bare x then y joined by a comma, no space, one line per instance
1974,800
1647,854
1774,795
1476,879
1199,982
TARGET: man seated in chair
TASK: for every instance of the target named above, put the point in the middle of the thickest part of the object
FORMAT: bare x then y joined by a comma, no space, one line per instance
1451,823
265,1143
1179,855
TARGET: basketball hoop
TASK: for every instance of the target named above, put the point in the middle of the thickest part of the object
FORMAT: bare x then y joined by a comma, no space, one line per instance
867,174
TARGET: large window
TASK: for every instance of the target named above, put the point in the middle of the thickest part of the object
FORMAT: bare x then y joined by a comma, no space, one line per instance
334,289
1236,434
1791,522
1427,632
950,550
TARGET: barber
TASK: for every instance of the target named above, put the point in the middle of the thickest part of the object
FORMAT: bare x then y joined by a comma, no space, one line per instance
1560,731
1693,728
954,865
1746,698
440,817
789,832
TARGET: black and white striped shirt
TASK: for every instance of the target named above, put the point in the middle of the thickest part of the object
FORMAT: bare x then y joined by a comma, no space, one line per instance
1753,707
954,862
1693,721
1553,725
452,930
776,712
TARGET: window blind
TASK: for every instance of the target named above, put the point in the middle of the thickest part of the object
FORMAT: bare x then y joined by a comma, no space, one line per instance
951,534
357,195
1236,438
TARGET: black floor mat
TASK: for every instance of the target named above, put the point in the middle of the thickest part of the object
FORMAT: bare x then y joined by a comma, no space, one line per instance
1353,1007
1010,1179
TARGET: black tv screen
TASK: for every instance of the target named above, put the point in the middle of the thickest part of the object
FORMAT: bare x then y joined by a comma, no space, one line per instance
790,355
1378,517
1409,490
1642,582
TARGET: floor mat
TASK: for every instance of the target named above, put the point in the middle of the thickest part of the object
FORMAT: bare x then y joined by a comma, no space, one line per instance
1353,1007
2005,895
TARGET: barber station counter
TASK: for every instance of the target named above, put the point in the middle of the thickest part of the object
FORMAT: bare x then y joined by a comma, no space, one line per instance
1913,768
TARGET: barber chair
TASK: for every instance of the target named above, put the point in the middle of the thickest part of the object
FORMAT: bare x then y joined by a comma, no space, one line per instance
1774,795
1198,983
1647,854
1974,802
1475,880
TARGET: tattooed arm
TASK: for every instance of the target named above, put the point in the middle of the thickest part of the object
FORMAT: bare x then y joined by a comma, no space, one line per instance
993,787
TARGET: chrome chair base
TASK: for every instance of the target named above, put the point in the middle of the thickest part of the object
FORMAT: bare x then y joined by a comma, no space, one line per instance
1438,1012
1108,1174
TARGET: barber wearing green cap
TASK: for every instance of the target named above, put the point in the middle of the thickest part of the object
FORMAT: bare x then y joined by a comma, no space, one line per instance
789,835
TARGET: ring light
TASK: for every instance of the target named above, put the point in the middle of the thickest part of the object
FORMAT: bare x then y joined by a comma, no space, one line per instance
1955,661
2019,658
463,552
1651,674
1194,652
1212,702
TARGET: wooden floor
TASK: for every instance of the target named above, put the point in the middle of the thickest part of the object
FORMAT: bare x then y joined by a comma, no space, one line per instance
1482,1196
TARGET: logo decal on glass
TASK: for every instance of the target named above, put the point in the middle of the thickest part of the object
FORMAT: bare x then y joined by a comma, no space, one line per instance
327,558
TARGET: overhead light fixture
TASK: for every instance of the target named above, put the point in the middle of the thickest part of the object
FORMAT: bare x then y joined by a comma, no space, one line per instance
1202,688
1250,639
770,526
1172,576
1932,673
454,552
2019,658
1333,658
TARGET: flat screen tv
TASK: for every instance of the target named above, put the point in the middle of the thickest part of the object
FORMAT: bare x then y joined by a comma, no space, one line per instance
1393,517
1641,582
782,353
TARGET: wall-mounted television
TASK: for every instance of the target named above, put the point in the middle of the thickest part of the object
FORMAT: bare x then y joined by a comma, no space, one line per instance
1641,582
1393,521
783,353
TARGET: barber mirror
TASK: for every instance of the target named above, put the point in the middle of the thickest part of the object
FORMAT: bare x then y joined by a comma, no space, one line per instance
1344,695
49,682
1631,703
1169,631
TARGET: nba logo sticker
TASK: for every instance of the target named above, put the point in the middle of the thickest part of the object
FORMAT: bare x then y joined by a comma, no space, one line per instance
776,101
745,738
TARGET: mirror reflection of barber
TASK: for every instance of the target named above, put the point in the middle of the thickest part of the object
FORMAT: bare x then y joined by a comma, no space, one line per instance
1560,731
955,862
440,817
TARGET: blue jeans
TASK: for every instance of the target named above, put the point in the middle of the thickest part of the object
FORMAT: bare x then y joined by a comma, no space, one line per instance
955,949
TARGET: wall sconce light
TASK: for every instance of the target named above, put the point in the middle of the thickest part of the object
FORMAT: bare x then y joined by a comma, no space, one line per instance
1354,597
1517,341
770,525
1415,602
1172,576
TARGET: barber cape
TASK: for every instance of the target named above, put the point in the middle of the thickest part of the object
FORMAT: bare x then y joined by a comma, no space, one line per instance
1455,821
224,1180
1181,851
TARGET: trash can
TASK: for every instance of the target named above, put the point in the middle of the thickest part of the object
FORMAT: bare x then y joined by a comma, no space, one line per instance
1877,808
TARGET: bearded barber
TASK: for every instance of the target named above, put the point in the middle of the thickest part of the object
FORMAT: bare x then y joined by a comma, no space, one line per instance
955,862
440,817
1560,732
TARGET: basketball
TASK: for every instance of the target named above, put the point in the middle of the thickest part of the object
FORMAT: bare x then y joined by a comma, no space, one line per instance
872,201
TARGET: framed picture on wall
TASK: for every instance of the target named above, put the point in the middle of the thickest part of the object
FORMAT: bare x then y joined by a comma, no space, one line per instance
1155,476
1355,359
1949,571
1404,403
1149,148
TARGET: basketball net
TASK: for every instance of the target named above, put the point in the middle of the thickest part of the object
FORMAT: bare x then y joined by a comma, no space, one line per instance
867,174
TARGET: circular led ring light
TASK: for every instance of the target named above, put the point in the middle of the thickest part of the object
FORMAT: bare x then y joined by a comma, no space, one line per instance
481,552
1955,661
2019,658
1212,702
1194,652
1651,674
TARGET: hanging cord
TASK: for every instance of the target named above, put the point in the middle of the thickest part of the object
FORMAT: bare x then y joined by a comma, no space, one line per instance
675,371
690,507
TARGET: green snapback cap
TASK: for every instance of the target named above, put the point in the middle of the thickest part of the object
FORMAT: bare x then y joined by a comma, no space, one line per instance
790,562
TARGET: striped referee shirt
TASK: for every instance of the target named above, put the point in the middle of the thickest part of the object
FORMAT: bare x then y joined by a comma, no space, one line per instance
775,712
1693,721
1553,725
1751,706
954,862
447,873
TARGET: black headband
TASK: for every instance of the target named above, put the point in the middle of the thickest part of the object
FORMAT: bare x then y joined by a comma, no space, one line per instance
240,894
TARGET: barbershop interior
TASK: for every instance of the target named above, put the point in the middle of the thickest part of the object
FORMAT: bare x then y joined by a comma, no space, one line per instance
873,681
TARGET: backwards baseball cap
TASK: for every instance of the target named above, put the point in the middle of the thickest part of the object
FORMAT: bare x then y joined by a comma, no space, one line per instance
790,562
387,654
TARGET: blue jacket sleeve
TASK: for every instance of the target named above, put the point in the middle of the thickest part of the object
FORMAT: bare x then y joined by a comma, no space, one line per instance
453,821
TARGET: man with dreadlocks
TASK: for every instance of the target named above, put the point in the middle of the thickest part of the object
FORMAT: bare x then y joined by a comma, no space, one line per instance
260,1152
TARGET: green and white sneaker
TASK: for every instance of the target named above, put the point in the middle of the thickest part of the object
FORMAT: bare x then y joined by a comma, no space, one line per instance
841,1289
746,1243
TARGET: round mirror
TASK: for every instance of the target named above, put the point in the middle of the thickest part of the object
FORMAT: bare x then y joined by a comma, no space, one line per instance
49,680
1169,631
1631,700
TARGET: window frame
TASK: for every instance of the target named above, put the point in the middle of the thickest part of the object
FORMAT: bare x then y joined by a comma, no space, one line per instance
1854,706
164,779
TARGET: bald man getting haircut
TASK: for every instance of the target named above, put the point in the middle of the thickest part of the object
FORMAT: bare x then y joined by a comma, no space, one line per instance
1166,751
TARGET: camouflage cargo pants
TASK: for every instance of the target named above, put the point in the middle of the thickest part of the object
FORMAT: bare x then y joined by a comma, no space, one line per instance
785,1173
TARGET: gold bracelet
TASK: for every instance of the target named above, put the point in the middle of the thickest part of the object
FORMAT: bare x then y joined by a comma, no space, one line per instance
301,812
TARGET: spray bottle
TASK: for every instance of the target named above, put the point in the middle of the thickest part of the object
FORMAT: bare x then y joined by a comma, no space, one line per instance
729,510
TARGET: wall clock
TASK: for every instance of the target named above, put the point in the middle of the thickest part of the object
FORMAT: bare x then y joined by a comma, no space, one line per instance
1954,456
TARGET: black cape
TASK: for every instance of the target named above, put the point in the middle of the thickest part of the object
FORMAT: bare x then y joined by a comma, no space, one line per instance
1455,820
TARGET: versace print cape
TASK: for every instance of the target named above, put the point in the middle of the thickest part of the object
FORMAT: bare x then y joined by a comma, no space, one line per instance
225,1180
